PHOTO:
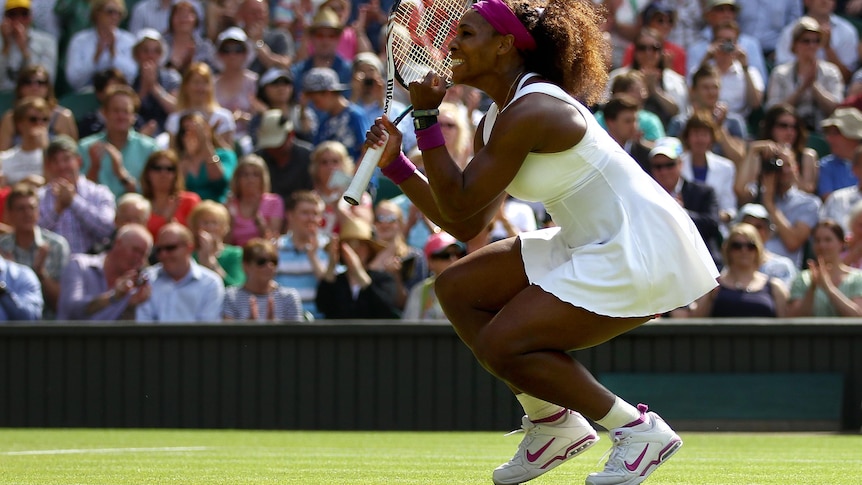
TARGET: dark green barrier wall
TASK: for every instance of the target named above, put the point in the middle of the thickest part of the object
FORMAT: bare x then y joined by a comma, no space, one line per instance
368,375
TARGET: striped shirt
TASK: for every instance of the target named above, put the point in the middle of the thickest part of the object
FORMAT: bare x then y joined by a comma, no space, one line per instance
87,221
286,305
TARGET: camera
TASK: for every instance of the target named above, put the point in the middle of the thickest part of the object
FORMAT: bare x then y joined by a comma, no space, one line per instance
141,279
771,164
727,46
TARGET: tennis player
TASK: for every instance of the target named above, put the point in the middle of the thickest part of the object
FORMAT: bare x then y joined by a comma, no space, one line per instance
623,249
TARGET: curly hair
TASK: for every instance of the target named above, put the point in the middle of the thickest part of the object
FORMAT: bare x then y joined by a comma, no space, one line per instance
572,51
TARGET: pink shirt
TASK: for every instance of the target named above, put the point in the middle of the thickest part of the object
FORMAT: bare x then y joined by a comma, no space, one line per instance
243,228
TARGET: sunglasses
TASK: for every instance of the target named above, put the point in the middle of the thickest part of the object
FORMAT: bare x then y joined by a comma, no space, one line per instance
232,49
166,248
737,245
786,126
265,261
34,82
648,47
386,218
37,119
16,13
662,166
446,255
163,168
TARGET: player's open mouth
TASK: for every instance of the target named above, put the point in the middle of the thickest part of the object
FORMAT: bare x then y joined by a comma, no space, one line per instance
457,62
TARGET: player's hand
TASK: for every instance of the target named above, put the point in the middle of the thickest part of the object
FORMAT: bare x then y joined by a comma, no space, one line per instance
429,92
384,132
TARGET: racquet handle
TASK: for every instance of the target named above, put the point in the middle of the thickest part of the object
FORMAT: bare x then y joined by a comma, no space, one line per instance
363,174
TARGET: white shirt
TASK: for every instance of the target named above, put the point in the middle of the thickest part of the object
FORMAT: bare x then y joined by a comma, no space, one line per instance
18,164
734,88
844,39
837,206
80,67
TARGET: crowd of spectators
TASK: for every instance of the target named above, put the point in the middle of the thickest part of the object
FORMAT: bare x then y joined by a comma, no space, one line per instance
184,160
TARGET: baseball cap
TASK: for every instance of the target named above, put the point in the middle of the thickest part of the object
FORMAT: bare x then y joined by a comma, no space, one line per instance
805,24
848,120
321,79
668,146
754,210
440,242
657,6
274,128
13,4
711,4
273,74
231,33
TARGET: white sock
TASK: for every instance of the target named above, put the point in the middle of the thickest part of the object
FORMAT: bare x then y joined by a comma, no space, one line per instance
621,414
536,409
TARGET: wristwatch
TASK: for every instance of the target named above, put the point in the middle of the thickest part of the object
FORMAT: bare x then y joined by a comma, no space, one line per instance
259,44
422,122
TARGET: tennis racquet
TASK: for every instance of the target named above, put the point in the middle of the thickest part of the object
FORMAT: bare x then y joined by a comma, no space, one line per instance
417,42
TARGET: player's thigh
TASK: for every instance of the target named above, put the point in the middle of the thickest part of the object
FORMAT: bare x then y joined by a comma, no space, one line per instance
535,320
485,279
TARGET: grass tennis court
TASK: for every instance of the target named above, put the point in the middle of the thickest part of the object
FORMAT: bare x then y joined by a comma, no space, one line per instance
117,457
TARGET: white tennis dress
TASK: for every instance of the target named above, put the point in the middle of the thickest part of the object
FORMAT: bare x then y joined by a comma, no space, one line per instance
623,246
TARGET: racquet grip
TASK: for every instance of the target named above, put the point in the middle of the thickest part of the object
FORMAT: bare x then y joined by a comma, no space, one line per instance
363,174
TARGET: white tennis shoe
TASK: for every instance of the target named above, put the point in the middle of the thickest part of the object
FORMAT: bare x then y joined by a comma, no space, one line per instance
635,454
546,446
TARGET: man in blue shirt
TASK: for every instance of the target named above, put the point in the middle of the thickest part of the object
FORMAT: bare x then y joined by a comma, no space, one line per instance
340,119
843,131
20,292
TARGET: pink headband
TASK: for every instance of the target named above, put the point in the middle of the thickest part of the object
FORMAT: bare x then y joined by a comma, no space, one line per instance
504,21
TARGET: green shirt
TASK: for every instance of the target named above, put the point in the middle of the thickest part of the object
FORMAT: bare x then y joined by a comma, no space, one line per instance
851,287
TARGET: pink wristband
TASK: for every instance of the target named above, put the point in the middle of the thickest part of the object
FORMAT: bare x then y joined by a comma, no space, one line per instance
429,138
399,169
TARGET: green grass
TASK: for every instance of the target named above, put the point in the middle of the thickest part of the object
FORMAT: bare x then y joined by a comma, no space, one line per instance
118,457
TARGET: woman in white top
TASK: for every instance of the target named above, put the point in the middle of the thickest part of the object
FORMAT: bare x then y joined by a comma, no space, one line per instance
623,249
102,46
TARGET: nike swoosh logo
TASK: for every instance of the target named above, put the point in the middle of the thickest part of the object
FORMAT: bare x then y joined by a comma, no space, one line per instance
531,457
634,465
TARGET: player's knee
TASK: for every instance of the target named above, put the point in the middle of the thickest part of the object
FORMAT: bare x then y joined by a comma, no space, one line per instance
494,353
446,288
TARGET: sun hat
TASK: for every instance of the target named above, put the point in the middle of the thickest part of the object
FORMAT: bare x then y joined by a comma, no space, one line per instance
848,120
274,128
357,229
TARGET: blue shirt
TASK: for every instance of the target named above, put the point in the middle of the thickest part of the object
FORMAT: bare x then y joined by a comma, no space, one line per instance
348,127
22,299
198,297
295,270
835,173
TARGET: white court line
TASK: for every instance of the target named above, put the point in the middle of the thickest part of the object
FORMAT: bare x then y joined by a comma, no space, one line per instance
103,450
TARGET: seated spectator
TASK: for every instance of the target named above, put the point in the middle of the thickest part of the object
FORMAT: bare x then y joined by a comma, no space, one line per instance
699,163
33,81
828,288
197,95
209,223
620,118
116,157
337,295
843,131
839,204
323,35
107,286
206,167
23,45
101,46
766,20
353,39
236,85
163,184
811,85
774,265
732,128
660,16
275,91
287,157
302,259
330,170
633,84
254,210
852,255
23,162
156,83
441,251
70,205
182,291
368,91
41,250
261,299
742,86
404,263
781,125
156,14
272,47
94,121
698,199
716,12
667,92
184,38
743,291
132,208
20,293
839,47
340,119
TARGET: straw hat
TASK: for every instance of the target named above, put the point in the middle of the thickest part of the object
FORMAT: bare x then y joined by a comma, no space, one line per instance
352,228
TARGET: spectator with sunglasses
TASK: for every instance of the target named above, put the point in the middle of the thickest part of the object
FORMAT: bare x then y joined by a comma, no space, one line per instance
101,46
743,291
182,290
21,45
660,17
261,299
236,85
403,262
35,81
441,251
163,184
24,161
829,287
